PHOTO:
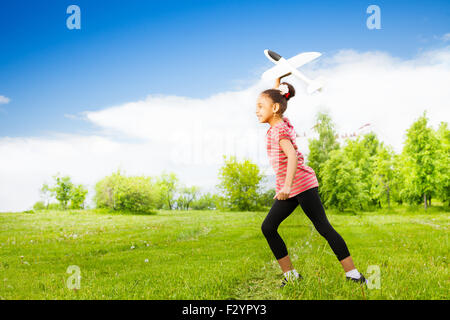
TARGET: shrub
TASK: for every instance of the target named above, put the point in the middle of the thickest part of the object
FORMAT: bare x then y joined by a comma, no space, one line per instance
266,198
77,197
40,205
240,184
119,192
54,206
205,202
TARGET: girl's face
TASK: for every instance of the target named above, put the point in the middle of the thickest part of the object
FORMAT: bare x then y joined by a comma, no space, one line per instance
265,108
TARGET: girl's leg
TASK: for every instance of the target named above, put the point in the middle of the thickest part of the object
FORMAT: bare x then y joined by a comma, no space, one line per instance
285,264
280,210
348,264
313,208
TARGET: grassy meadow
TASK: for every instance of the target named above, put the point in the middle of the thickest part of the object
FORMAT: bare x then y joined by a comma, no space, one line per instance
218,255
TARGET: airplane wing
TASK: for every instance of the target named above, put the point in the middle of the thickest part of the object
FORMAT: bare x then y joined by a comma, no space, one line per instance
303,58
275,72
296,61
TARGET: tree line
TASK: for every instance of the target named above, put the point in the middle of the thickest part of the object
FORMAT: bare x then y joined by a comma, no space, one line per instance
360,174
366,173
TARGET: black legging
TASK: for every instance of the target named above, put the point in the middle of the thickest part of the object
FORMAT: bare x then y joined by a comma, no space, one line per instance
312,206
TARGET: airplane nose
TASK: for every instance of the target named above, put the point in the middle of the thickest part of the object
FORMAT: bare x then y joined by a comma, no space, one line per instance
275,56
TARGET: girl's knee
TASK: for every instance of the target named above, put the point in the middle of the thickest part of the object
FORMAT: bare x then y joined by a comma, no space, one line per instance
268,228
326,231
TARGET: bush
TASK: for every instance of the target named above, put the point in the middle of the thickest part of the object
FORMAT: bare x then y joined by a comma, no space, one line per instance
54,206
118,192
40,205
205,202
266,198
240,184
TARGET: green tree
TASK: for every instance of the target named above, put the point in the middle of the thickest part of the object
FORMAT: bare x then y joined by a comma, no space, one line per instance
341,183
405,177
398,182
78,197
207,201
47,194
422,148
240,184
319,149
384,172
362,152
63,190
168,185
106,190
443,164
187,196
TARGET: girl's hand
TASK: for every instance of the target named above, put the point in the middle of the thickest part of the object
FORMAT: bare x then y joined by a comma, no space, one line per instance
278,80
283,194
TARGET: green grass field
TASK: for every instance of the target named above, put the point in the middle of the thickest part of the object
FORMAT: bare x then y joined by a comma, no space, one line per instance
218,255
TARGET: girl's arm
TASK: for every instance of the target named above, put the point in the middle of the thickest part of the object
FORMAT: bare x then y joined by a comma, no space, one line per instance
290,152
278,80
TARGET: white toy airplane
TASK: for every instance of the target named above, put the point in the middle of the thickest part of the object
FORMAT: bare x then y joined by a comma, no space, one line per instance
284,66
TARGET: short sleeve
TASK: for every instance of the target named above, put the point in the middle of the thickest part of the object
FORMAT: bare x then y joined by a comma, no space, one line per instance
282,134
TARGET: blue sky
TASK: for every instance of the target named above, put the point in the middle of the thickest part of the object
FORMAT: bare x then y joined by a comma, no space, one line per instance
126,50
153,86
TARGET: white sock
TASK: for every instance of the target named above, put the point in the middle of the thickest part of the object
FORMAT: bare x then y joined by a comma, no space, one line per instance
291,273
353,274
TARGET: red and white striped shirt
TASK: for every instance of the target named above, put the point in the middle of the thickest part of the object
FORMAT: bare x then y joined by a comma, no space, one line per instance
305,177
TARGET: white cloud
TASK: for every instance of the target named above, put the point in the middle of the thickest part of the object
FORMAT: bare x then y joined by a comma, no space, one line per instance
4,100
70,116
446,37
189,136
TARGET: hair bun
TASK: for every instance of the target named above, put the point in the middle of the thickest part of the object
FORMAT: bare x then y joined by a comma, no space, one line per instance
291,91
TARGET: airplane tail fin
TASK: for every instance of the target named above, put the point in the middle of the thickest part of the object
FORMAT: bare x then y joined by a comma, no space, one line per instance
316,85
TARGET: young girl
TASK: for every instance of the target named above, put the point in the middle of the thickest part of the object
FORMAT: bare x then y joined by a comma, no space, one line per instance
296,184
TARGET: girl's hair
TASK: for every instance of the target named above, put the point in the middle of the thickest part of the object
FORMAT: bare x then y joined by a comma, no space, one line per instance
276,96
